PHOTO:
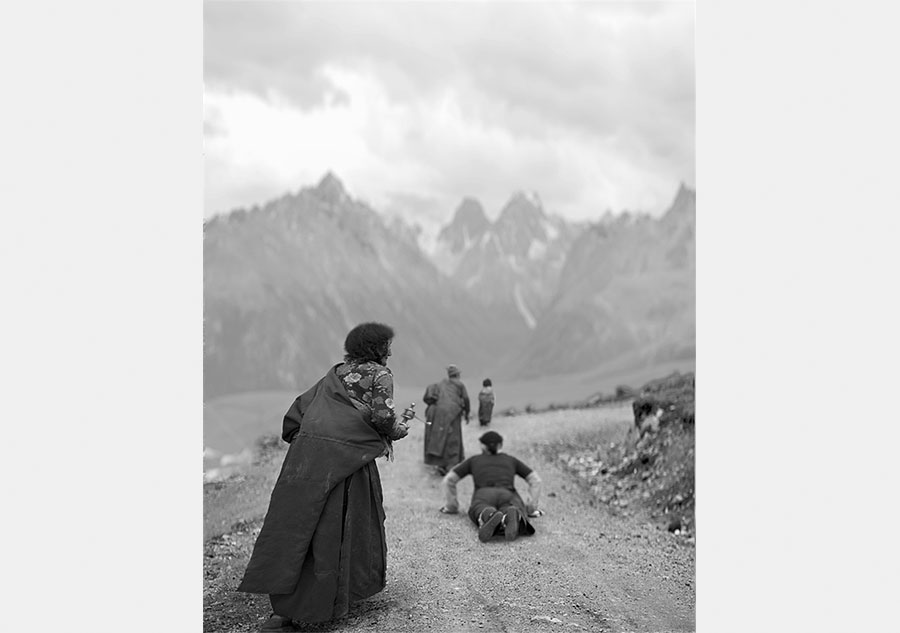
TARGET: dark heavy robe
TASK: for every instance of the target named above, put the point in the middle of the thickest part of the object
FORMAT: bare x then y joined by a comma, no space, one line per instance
322,544
443,440
430,398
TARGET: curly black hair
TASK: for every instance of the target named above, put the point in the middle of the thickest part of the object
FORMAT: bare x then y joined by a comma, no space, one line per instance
368,342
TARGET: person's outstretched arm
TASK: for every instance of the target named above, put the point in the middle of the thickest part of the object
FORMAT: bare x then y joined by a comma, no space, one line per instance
465,399
451,503
534,491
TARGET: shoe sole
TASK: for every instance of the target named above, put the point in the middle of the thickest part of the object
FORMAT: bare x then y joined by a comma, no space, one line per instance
486,531
511,529
274,625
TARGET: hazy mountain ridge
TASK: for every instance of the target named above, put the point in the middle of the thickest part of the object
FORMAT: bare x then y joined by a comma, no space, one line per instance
627,287
284,283
527,295
513,263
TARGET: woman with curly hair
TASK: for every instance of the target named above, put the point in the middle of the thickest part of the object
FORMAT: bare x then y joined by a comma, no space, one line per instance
322,545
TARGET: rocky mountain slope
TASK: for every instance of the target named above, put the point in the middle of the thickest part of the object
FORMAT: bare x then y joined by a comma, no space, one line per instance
513,263
284,283
525,296
627,288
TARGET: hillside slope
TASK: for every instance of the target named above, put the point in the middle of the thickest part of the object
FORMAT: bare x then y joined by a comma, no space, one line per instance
525,297
284,284
627,287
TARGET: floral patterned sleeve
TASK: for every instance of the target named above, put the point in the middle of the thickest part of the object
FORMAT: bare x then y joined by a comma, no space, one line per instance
383,416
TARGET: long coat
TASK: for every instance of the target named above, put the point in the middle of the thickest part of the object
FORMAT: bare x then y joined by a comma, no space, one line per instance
443,437
322,543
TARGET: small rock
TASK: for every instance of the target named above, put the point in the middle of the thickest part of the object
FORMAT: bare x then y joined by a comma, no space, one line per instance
678,499
546,618
675,525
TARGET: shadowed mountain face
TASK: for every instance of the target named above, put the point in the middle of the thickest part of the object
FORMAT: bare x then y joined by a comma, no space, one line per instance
527,295
468,225
627,287
512,264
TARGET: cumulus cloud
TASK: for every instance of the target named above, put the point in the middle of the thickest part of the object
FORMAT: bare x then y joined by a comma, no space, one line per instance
590,104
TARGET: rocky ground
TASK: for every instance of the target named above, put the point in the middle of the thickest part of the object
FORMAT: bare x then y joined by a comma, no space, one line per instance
651,469
614,551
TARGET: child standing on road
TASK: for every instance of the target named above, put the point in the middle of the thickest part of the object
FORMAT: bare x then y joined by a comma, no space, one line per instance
485,402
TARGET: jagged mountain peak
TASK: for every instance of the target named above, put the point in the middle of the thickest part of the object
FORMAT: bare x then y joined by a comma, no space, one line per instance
531,197
331,189
522,222
681,214
469,222
541,293
470,212
685,201
522,206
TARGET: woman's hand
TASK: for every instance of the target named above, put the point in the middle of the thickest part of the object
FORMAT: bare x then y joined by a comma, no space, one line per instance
402,423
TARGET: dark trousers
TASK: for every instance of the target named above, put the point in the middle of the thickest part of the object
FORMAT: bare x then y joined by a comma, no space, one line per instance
342,567
493,499
484,413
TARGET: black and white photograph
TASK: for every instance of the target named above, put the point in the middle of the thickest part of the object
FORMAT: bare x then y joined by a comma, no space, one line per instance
399,316
449,316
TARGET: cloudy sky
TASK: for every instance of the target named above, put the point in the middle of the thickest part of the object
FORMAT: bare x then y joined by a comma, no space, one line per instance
416,104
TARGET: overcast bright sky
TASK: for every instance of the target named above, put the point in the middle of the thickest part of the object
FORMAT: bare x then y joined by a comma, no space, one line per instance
414,105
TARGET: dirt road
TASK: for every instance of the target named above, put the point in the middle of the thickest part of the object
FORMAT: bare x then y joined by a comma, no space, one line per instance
585,569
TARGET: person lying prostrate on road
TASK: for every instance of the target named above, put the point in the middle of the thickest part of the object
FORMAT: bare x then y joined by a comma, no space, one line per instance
495,505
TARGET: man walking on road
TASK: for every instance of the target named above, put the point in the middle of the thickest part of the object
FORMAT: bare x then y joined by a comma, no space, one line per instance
443,436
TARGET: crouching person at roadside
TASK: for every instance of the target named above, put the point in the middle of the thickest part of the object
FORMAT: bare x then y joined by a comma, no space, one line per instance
496,506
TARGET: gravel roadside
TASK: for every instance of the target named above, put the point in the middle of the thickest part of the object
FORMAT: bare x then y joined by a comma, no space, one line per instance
586,568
